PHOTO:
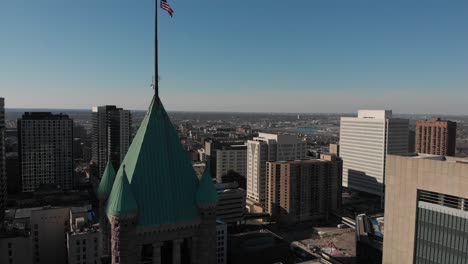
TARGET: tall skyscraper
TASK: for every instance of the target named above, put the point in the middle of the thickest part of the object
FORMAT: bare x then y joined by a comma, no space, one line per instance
268,147
112,135
436,137
365,141
157,209
45,150
3,178
302,190
426,210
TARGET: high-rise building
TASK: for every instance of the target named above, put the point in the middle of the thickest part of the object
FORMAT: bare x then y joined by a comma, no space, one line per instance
231,203
268,147
426,210
436,137
302,190
111,135
221,242
3,178
232,158
157,209
364,143
412,141
211,147
45,150
43,235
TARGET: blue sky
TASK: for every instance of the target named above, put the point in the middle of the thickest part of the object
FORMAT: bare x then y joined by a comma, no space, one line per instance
219,55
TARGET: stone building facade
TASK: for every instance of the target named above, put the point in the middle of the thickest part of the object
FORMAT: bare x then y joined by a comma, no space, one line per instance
155,208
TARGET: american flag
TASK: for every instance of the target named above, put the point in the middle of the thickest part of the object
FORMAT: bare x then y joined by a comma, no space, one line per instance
164,5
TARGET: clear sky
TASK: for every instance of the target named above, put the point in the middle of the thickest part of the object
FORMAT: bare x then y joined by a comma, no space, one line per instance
218,55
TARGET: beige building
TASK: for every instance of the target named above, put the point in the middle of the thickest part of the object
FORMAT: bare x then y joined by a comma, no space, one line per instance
83,245
426,210
15,247
303,190
231,158
268,147
48,235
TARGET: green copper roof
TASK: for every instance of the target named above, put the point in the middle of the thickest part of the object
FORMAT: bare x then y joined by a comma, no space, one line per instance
206,193
107,180
121,199
160,173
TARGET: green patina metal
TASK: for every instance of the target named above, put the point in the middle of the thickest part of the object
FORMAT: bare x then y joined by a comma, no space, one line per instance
107,180
160,173
121,200
206,193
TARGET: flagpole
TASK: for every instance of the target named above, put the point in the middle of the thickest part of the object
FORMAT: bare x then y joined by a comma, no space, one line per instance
156,76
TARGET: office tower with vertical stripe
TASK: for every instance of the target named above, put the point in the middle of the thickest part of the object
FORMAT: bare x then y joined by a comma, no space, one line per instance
112,135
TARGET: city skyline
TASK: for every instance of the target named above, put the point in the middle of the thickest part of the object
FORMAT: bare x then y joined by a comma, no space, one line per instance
320,56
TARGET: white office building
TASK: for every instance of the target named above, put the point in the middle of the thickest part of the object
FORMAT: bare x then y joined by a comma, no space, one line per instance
231,158
269,147
364,143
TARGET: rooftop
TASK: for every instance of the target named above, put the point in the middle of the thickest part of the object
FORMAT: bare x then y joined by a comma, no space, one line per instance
435,157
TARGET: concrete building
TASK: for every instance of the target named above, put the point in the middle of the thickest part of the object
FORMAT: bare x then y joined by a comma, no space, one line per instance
3,177
221,242
334,149
231,203
436,137
82,241
48,235
211,147
369,238
268,147
201,155
365,141
232,158
111,135
45,150
15,246
426,210
157,210
302,190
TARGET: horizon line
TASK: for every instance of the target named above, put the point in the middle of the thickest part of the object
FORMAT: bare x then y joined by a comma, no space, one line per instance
227,112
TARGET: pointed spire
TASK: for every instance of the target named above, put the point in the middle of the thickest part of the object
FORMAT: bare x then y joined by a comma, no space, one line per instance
107,180
206,192
121,200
